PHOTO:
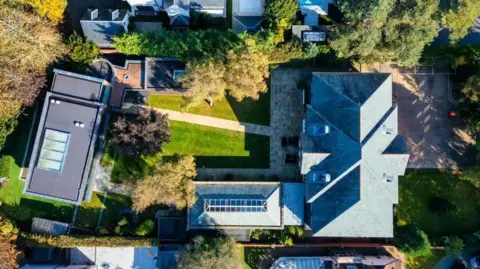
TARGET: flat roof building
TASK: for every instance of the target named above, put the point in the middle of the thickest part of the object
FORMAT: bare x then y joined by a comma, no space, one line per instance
63,150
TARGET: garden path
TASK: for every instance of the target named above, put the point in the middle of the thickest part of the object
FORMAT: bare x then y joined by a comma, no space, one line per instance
216,122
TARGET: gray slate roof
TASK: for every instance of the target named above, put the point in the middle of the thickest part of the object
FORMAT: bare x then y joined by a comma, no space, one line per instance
293,203
200,218
246,23
357,202
102,30
60,112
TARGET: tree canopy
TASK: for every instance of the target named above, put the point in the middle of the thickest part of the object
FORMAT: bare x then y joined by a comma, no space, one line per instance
51,9
82,51
386,30
205,81
246,74
169,183
471,89
460,17
280,15
216,253
28,45
144,134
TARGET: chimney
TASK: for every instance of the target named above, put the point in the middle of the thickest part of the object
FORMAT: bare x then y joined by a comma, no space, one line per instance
93,13
114,13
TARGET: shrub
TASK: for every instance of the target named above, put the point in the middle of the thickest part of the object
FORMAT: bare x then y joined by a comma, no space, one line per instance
412,241
124,220
82,51
5,162
145,228
103,231
71,241
287,241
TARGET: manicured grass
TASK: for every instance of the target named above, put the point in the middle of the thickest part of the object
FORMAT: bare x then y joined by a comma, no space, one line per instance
419,193
254,256
251,111
212,148
426,262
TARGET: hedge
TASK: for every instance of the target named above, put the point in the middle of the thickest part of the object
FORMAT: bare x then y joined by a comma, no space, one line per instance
70,241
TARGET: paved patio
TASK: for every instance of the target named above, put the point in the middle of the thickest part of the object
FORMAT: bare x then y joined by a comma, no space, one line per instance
434,139
286,114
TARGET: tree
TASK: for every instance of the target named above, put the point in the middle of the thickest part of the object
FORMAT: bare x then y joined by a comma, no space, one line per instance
454,245
205,81
52,9
246,74
471,89
216,253
143,135
8,254
460,17
412,241
176,181
386,30
280,15
82,51
28,45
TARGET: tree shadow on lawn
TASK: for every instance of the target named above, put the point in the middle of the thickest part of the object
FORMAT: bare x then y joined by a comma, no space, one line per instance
250,110
24,212
258,257
419,188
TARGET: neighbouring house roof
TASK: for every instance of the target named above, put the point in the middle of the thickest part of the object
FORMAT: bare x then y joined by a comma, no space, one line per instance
236,205
115,257
246,23
161,73
293,203
358,199
299,263
102,29
63,150
179,15
49,227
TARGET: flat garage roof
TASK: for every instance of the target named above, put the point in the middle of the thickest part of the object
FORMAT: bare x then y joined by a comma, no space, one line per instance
79,121
77,85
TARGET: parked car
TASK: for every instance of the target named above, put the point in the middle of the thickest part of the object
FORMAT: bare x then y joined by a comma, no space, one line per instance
475,261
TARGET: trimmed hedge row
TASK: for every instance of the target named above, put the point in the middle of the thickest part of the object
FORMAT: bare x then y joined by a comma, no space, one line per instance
70,241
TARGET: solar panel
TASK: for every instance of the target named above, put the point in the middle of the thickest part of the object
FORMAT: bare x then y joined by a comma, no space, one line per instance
53,151
235,205
313,36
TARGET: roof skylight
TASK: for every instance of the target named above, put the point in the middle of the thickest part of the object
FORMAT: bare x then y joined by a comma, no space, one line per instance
53,151
235,205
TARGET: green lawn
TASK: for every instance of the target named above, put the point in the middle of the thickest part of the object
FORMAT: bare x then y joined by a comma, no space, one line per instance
426,262
241,250
439,203
212,148
251,111
89,213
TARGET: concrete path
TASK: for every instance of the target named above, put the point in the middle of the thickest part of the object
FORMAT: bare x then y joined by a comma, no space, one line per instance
103,184
216,122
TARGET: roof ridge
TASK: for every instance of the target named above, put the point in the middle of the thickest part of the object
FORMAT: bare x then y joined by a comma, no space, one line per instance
335,181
